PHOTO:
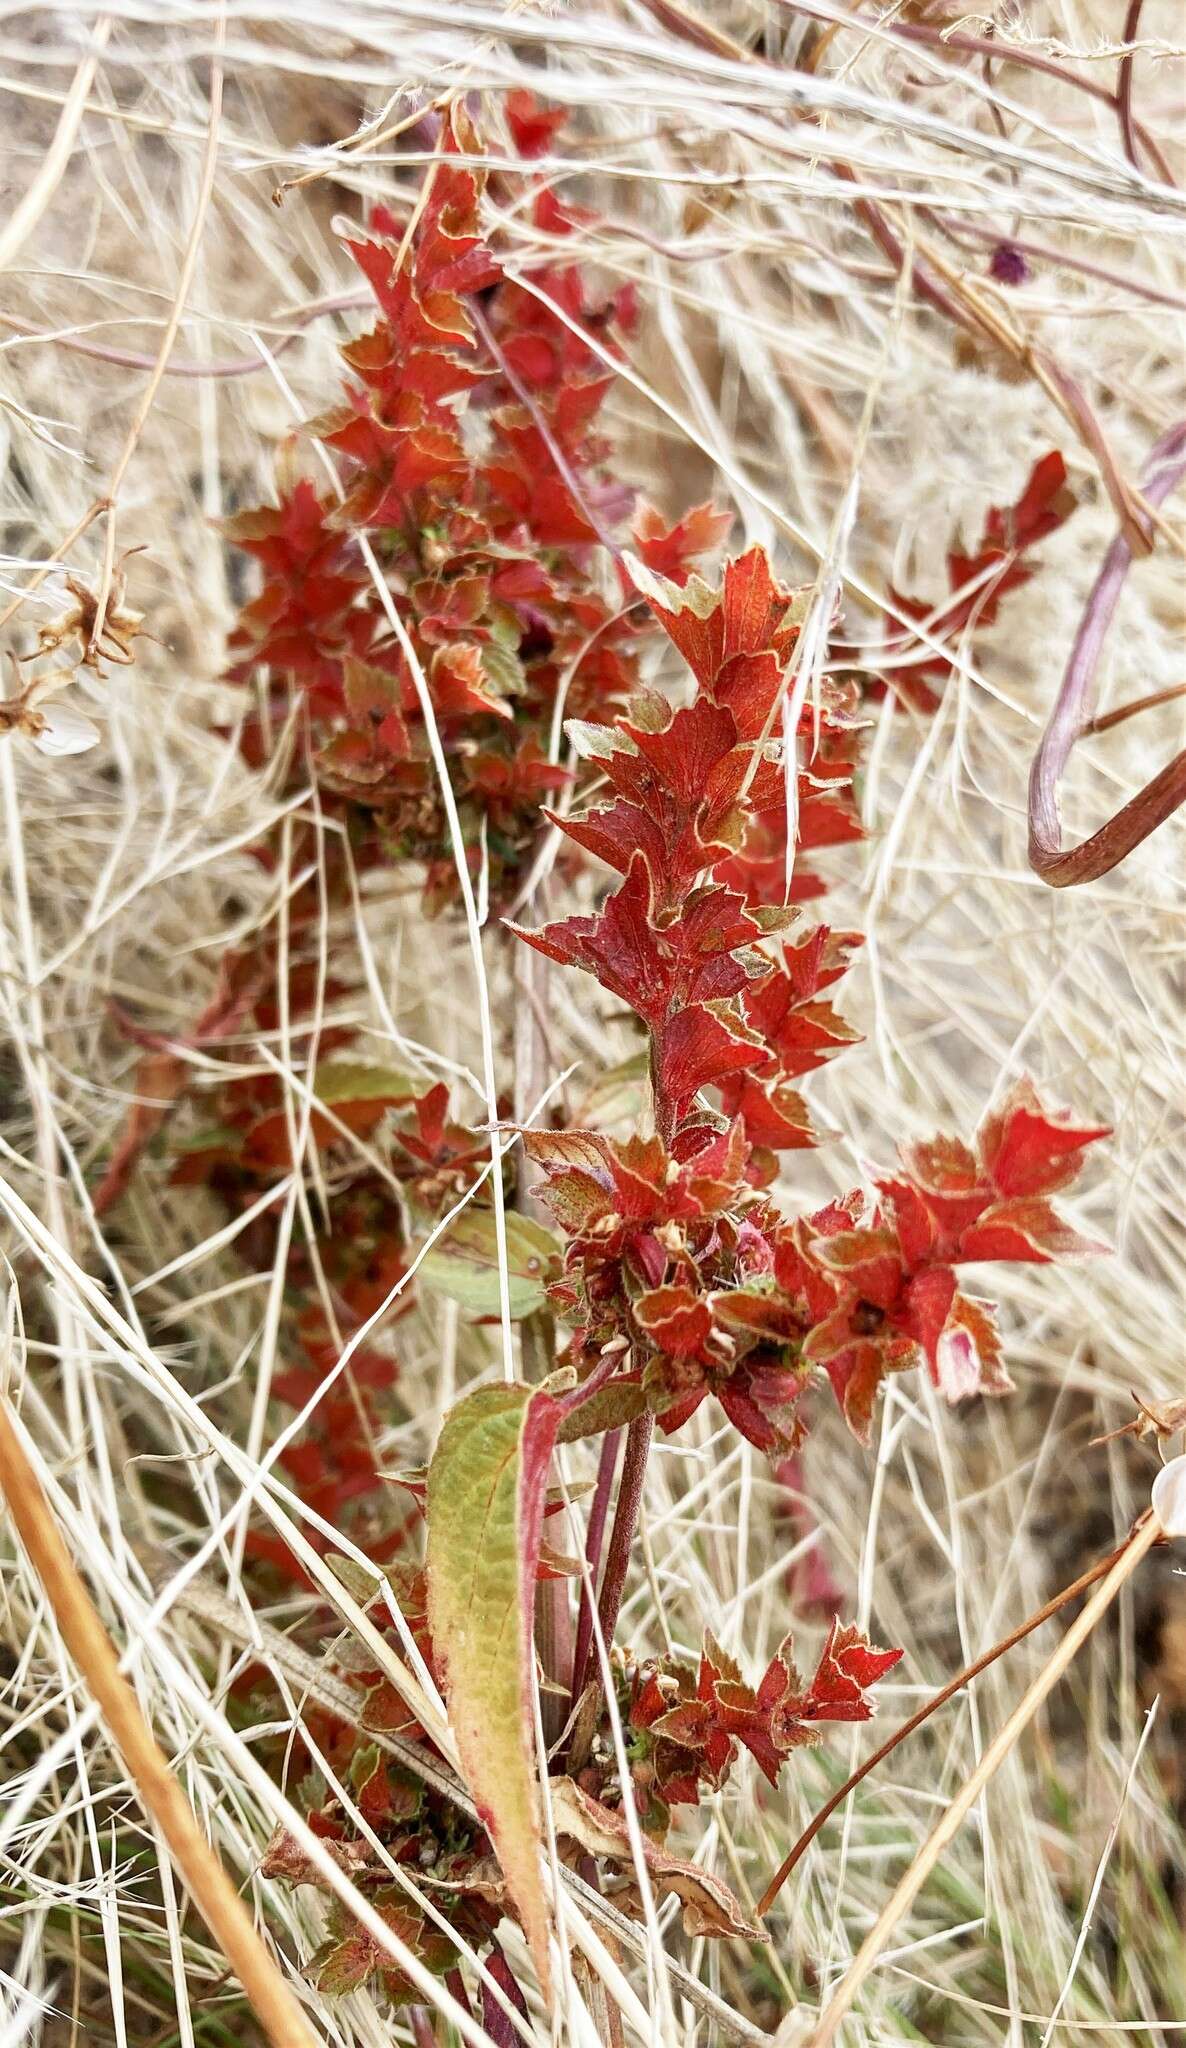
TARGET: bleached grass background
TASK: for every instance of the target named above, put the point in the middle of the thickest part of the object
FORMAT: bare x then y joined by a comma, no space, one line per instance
778,357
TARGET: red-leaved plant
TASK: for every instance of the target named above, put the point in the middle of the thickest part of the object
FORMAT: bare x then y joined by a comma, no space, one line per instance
683,1277
453,601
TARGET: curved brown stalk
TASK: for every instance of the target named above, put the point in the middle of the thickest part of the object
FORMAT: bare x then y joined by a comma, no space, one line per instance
1139,1543
931,1706
1121,713
1071,718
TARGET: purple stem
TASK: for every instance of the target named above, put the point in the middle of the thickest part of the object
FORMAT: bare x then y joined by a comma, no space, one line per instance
495,2017
1071,715
455,1983
634,1467
1124,84
594,1537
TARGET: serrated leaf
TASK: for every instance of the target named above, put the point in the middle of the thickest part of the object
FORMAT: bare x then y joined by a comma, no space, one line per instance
486,1486
709,1907
339,1967
618,1402
464,1263
503,670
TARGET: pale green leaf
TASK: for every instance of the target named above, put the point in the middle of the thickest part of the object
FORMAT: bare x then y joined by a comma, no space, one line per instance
464,1263
486,1485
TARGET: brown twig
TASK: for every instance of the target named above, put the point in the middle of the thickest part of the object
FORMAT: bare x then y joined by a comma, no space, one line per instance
1071,717
89,1645
1141,1540
1122,712
931,1706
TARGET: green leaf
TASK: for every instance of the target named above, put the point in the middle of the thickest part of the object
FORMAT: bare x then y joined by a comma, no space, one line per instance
486,1486
503,670
619,1402
338,1967
213,1138
464,1263
355,1081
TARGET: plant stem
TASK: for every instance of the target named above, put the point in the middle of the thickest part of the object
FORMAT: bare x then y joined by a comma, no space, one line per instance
1117,716
1153,804
939,1699
155,1780
634,1466
664,1118
594,1537
455,1983
1139,1542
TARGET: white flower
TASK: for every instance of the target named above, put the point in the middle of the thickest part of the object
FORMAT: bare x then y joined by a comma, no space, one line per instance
65,731
1169,1497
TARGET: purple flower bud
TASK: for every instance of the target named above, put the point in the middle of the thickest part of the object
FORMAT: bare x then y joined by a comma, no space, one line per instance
1007,264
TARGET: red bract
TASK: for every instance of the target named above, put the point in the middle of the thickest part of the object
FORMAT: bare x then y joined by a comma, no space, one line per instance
979,581
486,540
894,1279
694,1722
702,1284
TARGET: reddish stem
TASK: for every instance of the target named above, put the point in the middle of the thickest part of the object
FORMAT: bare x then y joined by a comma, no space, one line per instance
1071,717
1124,83
594,1538
455,1983
634,1466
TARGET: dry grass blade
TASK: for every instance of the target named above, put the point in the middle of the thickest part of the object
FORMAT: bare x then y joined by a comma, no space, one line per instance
87,1640
872,253
906,1891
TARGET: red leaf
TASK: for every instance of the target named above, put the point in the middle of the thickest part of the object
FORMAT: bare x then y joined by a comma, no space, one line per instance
676,1320
700,1046
1027,1230
848,1666
670,550
1030,1150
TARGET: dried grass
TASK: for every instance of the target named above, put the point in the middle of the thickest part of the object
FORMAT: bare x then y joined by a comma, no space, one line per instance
778,359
